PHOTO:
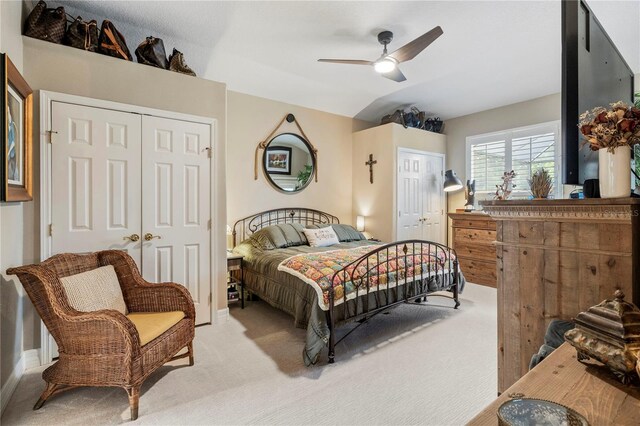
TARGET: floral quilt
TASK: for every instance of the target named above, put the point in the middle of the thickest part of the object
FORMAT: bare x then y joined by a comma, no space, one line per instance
318,270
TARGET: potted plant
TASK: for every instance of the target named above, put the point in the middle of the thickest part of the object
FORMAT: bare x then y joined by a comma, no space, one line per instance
612,132
540,183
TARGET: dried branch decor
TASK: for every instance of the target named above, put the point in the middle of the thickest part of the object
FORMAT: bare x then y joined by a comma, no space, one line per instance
541,183
503,191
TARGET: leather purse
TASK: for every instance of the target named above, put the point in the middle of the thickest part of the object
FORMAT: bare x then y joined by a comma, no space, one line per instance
151,52
396,117
112,43
177,64
434,124
46,23
82,35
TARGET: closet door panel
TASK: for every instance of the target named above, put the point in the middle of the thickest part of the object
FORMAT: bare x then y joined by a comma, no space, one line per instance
176,207
95,188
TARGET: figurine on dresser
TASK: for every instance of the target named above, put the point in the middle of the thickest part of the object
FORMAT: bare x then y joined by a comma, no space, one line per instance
610,333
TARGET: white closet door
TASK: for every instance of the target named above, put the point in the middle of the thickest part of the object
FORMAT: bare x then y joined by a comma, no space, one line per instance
95,188
420,196
410,195
176,208
433,223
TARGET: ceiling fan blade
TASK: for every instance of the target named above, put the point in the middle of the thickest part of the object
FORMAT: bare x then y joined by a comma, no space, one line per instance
411,49
346,61
395,75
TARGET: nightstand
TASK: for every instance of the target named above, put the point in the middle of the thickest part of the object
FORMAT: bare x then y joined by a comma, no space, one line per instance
234,263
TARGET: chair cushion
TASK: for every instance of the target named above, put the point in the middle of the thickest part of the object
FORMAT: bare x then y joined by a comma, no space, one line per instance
152,324
94,290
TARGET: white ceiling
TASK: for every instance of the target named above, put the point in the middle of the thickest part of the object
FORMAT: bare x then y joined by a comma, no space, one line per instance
492,53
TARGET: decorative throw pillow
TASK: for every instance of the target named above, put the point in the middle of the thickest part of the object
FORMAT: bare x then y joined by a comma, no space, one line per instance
279,236
94,290
347,233
321,237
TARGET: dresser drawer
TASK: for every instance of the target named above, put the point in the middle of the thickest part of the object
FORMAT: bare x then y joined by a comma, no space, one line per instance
479,251
479,271
473,236
480,223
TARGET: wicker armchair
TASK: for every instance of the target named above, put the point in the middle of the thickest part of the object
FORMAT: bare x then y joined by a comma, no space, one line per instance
102,348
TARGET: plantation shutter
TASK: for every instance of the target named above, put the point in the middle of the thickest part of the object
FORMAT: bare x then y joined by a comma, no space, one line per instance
531,153
523,150
488,163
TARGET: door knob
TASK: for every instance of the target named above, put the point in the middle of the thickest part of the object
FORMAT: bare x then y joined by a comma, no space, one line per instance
149,236
133,238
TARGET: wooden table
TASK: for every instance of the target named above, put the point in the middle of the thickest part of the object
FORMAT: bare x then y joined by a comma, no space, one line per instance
590,390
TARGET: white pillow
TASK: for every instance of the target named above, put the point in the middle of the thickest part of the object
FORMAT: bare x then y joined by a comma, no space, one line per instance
94,290
321,237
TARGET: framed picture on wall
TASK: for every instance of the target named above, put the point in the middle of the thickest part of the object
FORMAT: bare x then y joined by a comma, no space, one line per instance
278,160
16,123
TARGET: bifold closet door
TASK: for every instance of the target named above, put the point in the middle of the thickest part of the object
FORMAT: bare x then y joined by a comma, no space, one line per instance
421,196
176,238
434,221
95,173
410,195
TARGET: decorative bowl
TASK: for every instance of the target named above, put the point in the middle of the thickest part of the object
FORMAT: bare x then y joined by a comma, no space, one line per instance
538,412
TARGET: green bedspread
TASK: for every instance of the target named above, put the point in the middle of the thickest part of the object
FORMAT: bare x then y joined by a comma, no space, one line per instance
297,298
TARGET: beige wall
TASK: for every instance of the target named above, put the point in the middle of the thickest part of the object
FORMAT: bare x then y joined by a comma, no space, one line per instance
250,120
377,201
16,228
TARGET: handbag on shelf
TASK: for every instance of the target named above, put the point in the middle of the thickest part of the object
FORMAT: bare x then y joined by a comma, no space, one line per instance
151,52
112,43
177,64
46,23
396,117
434,124
82,35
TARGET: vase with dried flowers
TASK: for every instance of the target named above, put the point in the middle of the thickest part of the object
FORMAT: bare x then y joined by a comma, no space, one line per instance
612,132
540,183
506,187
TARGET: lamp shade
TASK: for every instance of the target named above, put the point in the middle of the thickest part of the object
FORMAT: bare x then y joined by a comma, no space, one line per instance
451,181
360,223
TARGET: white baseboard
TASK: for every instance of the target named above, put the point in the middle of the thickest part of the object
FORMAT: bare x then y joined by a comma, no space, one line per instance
29,359
222,315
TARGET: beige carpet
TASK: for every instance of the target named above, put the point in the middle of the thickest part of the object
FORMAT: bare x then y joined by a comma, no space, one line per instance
415,365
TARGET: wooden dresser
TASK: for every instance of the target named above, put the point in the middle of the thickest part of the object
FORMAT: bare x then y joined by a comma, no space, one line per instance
474,235
556,258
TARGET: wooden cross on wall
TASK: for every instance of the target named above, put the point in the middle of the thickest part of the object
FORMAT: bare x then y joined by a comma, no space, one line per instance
370,163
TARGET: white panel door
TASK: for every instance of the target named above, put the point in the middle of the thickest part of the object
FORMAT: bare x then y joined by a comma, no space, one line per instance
433,222
176,207
410,195
420,196
95,188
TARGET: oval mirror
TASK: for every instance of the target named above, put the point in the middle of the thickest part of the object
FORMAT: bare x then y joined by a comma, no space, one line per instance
289,162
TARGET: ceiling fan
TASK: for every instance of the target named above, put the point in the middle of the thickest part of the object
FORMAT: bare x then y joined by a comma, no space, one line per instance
387,64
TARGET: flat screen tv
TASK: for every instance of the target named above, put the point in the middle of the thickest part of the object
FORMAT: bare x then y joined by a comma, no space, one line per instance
594,73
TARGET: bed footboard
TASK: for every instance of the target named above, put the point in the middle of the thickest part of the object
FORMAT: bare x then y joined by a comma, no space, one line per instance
400,272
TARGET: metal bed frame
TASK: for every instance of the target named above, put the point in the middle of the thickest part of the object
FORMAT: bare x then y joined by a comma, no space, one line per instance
363,307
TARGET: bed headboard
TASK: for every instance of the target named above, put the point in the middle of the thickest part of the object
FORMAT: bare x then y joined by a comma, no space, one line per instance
244,227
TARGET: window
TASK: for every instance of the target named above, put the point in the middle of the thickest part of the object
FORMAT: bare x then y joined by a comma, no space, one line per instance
523,150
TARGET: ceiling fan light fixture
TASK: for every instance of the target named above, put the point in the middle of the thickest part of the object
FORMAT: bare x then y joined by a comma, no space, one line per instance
385,65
